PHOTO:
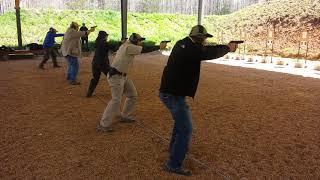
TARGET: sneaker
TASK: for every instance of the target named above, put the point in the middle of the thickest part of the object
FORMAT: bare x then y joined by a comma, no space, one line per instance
41,67
57,66
104,129
127,120
180,170
74,83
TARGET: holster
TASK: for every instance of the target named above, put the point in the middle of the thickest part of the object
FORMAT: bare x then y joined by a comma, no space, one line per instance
114,71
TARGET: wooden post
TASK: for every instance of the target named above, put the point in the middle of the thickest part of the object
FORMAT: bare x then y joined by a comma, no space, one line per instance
243,36
266,47
240,34
273,31
200,14
17,7
304,44
124,18
270,40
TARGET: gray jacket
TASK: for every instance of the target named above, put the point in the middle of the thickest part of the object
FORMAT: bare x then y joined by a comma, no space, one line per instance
71,43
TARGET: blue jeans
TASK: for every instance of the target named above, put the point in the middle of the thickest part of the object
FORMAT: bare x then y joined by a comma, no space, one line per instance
73,68
182,128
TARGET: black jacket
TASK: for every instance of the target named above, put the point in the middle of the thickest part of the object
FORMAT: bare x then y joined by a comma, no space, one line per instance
83,28
101,58
181,74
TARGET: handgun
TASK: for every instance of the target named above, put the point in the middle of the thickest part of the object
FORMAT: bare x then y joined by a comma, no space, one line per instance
237,42
165,41
94,26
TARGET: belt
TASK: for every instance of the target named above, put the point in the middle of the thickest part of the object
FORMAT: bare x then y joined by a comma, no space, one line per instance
114,71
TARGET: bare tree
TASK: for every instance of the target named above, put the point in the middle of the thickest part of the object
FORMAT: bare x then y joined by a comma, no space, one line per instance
159,6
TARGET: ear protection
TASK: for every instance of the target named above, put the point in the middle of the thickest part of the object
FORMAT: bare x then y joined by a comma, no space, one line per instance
51,29
134,38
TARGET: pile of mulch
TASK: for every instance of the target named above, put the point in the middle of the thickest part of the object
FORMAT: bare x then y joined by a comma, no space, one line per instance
247,124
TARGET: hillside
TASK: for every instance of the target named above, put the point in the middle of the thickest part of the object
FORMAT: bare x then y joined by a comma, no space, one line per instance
290,18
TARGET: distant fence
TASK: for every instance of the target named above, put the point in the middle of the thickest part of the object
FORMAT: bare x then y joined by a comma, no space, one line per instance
148,6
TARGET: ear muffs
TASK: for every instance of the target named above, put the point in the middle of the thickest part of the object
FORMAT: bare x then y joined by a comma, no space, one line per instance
133,38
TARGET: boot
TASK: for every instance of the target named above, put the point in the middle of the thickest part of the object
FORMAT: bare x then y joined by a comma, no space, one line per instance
74,83
41,66
56,66
91,88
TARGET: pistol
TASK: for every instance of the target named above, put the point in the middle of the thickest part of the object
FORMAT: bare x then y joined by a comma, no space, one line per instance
237,42
94,26
165,41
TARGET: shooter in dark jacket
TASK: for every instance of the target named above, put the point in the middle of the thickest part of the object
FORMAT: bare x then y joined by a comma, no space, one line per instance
100,62
180,79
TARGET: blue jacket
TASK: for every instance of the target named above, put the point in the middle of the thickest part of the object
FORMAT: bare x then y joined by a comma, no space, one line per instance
49,40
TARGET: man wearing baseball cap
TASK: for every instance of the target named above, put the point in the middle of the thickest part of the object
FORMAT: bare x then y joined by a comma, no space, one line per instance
180,79
120,82
48,46
71,50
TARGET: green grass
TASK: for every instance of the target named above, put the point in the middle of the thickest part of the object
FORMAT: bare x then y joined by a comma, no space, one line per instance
35,24
157,27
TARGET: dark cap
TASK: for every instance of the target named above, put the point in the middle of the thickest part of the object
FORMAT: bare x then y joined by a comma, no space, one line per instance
52,29
102,34
136,37
199,30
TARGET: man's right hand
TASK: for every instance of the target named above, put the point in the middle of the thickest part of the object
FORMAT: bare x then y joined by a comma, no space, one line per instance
92,29
233,46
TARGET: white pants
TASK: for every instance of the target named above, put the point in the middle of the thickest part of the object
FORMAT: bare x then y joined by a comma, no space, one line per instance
120,85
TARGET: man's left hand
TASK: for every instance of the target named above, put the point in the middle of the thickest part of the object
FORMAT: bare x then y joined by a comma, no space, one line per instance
163,45
233,47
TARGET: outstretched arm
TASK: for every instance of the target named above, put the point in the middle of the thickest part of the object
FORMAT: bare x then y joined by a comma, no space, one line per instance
147,49
162,46
214,52
58,35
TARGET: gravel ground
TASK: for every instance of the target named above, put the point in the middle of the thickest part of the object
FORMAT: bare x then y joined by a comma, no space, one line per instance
248,124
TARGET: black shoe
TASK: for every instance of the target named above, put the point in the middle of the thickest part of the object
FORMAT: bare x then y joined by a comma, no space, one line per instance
41,67
74,83
180,170
56,66
127,120
89,95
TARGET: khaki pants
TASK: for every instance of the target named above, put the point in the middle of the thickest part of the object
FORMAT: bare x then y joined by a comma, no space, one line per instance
120,85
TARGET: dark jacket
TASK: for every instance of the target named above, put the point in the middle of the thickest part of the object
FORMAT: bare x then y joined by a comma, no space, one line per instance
101,58
181,74
83,28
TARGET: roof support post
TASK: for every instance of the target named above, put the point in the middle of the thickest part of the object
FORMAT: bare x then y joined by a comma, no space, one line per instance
124,18
18,19
200,9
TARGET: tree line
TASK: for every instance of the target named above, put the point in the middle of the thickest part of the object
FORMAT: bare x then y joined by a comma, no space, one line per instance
210,7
